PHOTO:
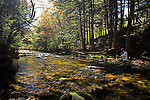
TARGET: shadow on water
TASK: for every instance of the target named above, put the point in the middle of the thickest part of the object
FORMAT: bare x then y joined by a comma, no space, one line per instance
7,74
122,82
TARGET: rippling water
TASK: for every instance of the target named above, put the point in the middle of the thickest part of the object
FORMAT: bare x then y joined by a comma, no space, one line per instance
38,71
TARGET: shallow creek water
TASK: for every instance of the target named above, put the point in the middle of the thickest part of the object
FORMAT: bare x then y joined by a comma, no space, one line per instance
62,74
54,72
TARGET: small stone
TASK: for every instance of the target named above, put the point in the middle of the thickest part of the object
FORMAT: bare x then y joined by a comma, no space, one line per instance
45,95
15,94
92,67
65,79
44,58
75,96
72,58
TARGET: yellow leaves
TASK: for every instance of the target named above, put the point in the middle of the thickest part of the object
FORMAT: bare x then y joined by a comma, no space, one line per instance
79,78
60,11
65,79
27,47
117,80
17,87
99,70
121,84
49,77
54,3
127,74
110,84
110,75
89,88
31,98
125,78
71,83
23,78
39,67
30,39
140,82
30,62
52,89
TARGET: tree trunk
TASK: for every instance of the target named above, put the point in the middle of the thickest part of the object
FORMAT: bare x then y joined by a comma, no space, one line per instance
82,38
87,30
116,23
133,8
92,24
130,18
90,29
121,16
84,47
105,18
147,13
111,22
137,17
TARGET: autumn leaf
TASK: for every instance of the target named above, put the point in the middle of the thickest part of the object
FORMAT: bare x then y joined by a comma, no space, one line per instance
110,75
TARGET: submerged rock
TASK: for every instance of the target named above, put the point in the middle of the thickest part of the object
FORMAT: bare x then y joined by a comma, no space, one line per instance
72,58
44,58
38,56
66,96
71,96
16,94
92,67
75,96
21,98
80,95
46,54
45,95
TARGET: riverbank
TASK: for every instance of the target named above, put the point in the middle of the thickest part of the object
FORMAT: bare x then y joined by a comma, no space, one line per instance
7,72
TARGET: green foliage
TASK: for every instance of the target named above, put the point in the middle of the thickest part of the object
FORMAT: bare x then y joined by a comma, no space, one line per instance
13,22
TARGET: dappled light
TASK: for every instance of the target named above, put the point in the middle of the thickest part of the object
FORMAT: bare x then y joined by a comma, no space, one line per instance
61,74
74,50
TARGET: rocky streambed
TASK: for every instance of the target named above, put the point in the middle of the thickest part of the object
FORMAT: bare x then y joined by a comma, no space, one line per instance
47,76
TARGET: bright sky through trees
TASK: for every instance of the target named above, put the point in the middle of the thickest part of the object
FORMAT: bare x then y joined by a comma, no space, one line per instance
40,5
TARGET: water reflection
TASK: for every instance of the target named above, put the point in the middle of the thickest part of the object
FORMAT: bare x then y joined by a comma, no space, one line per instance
60,74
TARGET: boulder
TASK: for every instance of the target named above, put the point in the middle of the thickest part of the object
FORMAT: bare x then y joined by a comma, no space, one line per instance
75,96
45,95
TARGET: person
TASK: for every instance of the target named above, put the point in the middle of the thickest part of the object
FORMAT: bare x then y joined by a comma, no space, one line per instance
124,55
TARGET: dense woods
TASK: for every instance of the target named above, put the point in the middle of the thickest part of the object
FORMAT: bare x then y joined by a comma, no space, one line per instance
91,25
15,18
85,25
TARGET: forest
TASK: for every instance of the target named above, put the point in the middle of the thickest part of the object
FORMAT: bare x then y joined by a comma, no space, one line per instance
75,47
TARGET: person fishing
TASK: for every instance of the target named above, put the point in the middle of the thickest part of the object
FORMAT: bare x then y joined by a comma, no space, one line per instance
124,55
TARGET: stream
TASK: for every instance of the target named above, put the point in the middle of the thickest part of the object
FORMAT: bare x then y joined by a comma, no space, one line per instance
34,73
38,72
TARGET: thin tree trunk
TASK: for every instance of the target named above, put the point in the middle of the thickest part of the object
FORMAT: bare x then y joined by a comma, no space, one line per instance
147,13
137,17
105,17
84,47
124,8
133,8
101,27
92,24
116,22
90,29
121,16
129,29
130,18
111,22
82,38
87,30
